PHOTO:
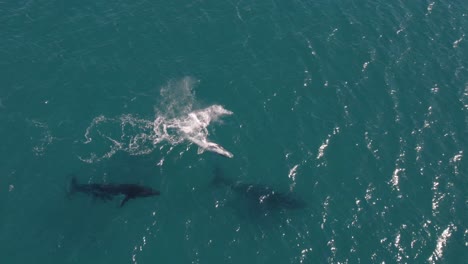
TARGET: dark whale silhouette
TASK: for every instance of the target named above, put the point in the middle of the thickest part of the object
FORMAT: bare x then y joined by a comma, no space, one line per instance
262,195
107,191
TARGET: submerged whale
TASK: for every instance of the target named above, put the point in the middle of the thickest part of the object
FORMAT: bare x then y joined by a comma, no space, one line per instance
261,195
107,191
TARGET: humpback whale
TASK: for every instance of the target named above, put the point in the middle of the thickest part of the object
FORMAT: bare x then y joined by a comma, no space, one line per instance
261,195
211,146
192,127
107,191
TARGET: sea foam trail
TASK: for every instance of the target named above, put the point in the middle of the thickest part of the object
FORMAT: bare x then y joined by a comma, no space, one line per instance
138,136
177,122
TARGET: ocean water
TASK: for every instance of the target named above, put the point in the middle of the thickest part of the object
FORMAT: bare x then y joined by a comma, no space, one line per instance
355,110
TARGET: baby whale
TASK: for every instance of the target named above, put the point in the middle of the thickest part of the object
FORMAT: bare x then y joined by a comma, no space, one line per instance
107,191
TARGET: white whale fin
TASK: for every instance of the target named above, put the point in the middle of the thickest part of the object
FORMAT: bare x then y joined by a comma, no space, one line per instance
200,150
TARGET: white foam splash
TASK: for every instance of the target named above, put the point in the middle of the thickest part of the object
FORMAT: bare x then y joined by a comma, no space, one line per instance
442,243
332,245
457,157
322,148
369,193
292,176
429,8
455,161
45,138
176,123
399,168
456,42
396,178
106,136
364,66
292,172
304,252
370,147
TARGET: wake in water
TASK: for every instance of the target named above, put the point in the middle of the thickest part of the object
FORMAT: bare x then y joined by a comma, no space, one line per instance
177,122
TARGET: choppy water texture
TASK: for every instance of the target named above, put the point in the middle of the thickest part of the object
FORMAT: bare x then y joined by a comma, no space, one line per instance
355,110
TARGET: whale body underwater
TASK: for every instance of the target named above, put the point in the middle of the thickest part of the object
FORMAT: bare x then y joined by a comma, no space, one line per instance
260,195
107,191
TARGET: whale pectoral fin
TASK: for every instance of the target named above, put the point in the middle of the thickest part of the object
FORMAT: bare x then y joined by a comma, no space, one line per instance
124,200
200,150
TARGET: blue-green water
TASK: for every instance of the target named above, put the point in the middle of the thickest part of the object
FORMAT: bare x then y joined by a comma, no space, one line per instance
357,108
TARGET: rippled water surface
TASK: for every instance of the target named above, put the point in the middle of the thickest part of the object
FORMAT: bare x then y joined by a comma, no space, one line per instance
276,131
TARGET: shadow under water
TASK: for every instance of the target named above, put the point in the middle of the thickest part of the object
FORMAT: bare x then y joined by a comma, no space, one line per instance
258,199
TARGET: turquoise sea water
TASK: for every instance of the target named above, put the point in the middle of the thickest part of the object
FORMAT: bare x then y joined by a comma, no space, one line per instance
359,109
